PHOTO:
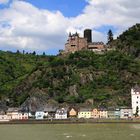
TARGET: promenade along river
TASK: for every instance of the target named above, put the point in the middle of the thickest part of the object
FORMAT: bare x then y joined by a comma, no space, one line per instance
70,132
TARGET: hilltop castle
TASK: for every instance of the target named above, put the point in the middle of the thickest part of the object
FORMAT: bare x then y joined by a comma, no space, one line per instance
77,43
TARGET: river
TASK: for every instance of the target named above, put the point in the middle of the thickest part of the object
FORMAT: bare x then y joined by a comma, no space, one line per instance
70,132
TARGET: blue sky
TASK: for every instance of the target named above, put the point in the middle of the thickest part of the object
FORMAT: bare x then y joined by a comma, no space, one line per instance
43,25
69,8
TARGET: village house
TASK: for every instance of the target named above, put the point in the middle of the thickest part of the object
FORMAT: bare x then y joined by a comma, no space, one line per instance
103,113
135,99
95,113
4,117
84,113
16,114
50,111
31,114
61,113
72,112
113,113
39,115
126,113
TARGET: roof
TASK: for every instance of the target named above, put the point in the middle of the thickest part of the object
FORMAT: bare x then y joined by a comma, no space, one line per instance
49,108
85,109
96,43
61,111
102,109
136,88
73,107
13,109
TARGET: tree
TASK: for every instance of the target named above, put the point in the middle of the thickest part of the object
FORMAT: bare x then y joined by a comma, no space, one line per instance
110,36
137,111
34,53
44,54
18,52
23,52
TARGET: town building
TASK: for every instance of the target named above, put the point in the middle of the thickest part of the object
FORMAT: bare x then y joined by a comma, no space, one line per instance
50,111
135,99
95,113
4,117
61,113
16,114
77,43
72,112
84,113
126,113
103,113
113,113
39,115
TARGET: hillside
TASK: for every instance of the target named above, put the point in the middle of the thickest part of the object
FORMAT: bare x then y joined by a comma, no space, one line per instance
79,78
104,80
14,68
129,41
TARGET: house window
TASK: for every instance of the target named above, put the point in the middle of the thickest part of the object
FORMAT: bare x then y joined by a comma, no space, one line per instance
137,97
137,102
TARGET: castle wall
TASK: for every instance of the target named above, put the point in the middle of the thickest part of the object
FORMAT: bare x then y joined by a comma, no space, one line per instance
96,47
75,44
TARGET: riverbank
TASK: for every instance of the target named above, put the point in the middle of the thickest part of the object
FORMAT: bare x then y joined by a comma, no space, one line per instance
70,121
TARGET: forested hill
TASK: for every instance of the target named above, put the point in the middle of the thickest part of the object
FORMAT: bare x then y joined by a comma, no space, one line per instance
129,41
83,77
14,68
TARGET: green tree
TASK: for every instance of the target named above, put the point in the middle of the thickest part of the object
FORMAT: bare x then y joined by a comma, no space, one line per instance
34,53
137,111
110,36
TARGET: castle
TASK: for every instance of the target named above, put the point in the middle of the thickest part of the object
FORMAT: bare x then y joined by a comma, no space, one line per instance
77,43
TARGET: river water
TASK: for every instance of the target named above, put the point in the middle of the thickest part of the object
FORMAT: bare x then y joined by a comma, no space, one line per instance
70,132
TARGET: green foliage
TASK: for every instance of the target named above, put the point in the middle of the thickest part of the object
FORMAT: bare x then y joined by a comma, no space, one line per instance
137,111
110,36
75,78
129,41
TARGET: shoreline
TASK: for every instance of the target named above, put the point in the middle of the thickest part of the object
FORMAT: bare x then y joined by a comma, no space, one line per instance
85,121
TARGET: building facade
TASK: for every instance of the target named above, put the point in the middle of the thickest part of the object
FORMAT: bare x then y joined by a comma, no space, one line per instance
39,115
113,113
77,43
72,112
103,113
126,113
135,99
95,113
61,113
84,113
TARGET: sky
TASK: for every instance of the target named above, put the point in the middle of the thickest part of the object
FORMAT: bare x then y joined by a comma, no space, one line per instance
43,25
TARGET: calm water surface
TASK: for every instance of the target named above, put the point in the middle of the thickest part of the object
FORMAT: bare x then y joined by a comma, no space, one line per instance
70,132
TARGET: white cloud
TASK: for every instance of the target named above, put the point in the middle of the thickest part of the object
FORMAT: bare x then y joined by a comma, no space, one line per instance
24,26
27,27
109,12
3,1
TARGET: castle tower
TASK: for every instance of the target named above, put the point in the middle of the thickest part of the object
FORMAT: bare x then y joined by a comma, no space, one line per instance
88,35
